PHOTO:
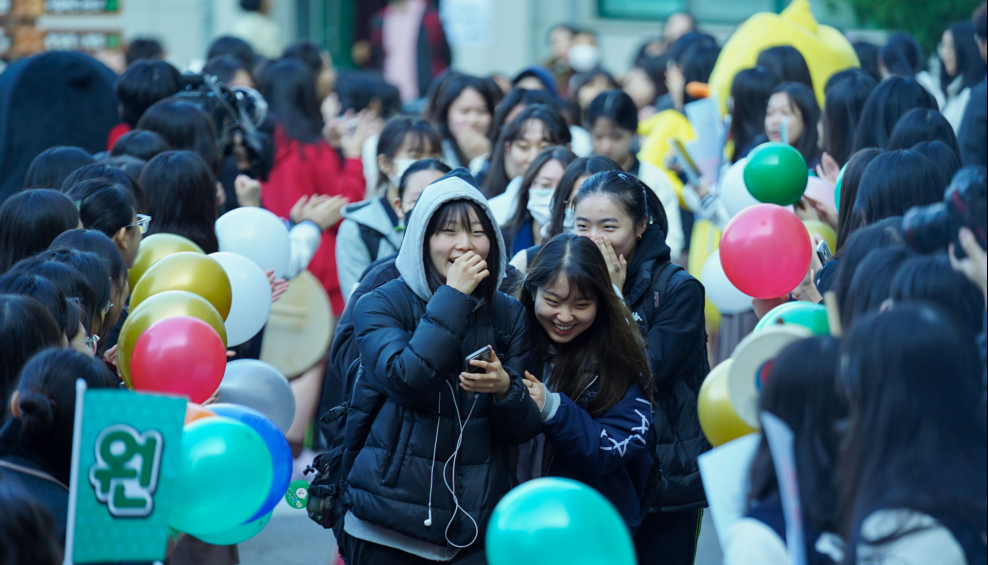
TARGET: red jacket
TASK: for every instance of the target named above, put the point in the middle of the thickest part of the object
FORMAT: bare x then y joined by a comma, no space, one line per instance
116,133
302,169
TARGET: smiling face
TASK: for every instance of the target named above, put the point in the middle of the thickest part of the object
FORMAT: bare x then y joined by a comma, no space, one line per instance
780,107
520,153
599,215
469,111
457,237
563,312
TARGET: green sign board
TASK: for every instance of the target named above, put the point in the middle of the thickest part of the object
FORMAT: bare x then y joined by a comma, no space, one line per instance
128,450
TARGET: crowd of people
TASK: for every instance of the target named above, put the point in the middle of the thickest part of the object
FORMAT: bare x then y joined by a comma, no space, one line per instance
504,270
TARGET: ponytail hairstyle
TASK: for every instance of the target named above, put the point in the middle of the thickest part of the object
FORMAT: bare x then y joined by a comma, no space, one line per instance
614,105
25,329
583,166
555,131
611,348
104,206
639,201
46,392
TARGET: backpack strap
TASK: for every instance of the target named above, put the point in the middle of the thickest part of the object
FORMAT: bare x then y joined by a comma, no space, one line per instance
32,472
662,273
372,239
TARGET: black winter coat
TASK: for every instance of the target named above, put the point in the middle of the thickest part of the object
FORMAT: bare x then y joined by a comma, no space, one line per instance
407,412
677,353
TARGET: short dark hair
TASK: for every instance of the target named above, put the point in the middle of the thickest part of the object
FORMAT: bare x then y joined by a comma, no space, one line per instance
103,205
229,45
98,243
30,221
400,127
140,143
251,5
181,197
418,167
49,169
225,68
895,182
185,126
614,105
142,84
923,125
40,289
307,52
107,172
144,48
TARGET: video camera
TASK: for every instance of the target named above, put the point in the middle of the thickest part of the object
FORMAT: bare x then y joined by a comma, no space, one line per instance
929,228
237,113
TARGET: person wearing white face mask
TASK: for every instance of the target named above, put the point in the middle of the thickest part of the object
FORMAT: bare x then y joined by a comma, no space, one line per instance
374,227
533,209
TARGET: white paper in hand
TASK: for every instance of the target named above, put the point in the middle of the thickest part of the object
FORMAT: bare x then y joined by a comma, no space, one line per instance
780,442
725,479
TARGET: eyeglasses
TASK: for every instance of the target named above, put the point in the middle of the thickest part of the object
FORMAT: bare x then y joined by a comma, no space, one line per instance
109,306
141,223
92,342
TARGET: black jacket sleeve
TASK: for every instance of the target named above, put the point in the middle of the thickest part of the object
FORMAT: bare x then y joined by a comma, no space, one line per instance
973,136
411,367
515,420
673,337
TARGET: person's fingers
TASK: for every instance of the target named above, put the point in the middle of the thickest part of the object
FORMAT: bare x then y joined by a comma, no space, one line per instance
531,377
969,243
624,262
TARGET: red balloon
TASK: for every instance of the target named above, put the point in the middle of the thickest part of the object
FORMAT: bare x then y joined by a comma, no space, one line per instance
766,251
182,356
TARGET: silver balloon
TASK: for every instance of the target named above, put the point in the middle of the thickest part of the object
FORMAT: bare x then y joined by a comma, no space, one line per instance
260,386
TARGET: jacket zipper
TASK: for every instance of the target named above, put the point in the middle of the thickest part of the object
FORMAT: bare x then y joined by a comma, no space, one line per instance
545,469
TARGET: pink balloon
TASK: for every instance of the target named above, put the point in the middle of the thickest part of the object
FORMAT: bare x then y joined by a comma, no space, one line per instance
182,356
821,191
765,251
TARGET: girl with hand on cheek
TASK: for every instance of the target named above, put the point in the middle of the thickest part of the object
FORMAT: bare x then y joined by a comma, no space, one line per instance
628,223
420,413
463,111
595,394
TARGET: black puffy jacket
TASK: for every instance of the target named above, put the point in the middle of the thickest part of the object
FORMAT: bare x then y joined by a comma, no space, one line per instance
408,411
675,332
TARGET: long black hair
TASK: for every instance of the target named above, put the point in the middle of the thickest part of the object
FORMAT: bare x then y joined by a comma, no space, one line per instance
554,132
943,158
750,92
448,91
144,83
70,282
885,233
456,213
513,99
142,144
51,166
40,289
970,65
801,390
871,282
104,206
931,279
289,86
890,100
25,524
894,182
583,166
181,198
30,221
521,215
185,127
98,243
94,270
902,55
787,64
913,442
802,100
868,54
638,201
846,94
919,125
848,221
611,348
25,329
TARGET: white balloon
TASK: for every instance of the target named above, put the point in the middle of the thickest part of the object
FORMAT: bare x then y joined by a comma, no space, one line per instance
258,235
251,297
733,192
257,385
721,292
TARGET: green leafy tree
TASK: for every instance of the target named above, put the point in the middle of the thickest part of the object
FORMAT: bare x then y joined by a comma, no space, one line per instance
924,19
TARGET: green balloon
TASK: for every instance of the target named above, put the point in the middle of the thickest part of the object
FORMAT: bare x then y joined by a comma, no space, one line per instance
224,476
840,178
239,533
557,522
810,316
776,174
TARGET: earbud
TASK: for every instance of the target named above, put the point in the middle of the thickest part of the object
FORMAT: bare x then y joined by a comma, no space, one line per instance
428,522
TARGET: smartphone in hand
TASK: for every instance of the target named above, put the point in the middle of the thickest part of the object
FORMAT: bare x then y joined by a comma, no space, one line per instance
484,354
823,252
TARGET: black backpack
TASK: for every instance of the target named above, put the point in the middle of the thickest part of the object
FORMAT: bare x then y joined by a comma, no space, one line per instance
372,239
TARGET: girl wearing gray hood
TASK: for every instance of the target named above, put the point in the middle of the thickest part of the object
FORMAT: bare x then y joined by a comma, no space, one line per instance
427,433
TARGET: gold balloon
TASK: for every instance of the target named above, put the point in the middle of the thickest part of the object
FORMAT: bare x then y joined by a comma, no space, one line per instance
718,419
198,274
169,304
825,231
156,247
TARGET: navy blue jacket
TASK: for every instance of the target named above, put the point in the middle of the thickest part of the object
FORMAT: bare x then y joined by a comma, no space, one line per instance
610,452
407,412
675,333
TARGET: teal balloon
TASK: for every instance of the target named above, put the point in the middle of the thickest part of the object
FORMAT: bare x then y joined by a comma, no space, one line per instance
557,522
840,179
776,173
238,534
224,477
810,316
